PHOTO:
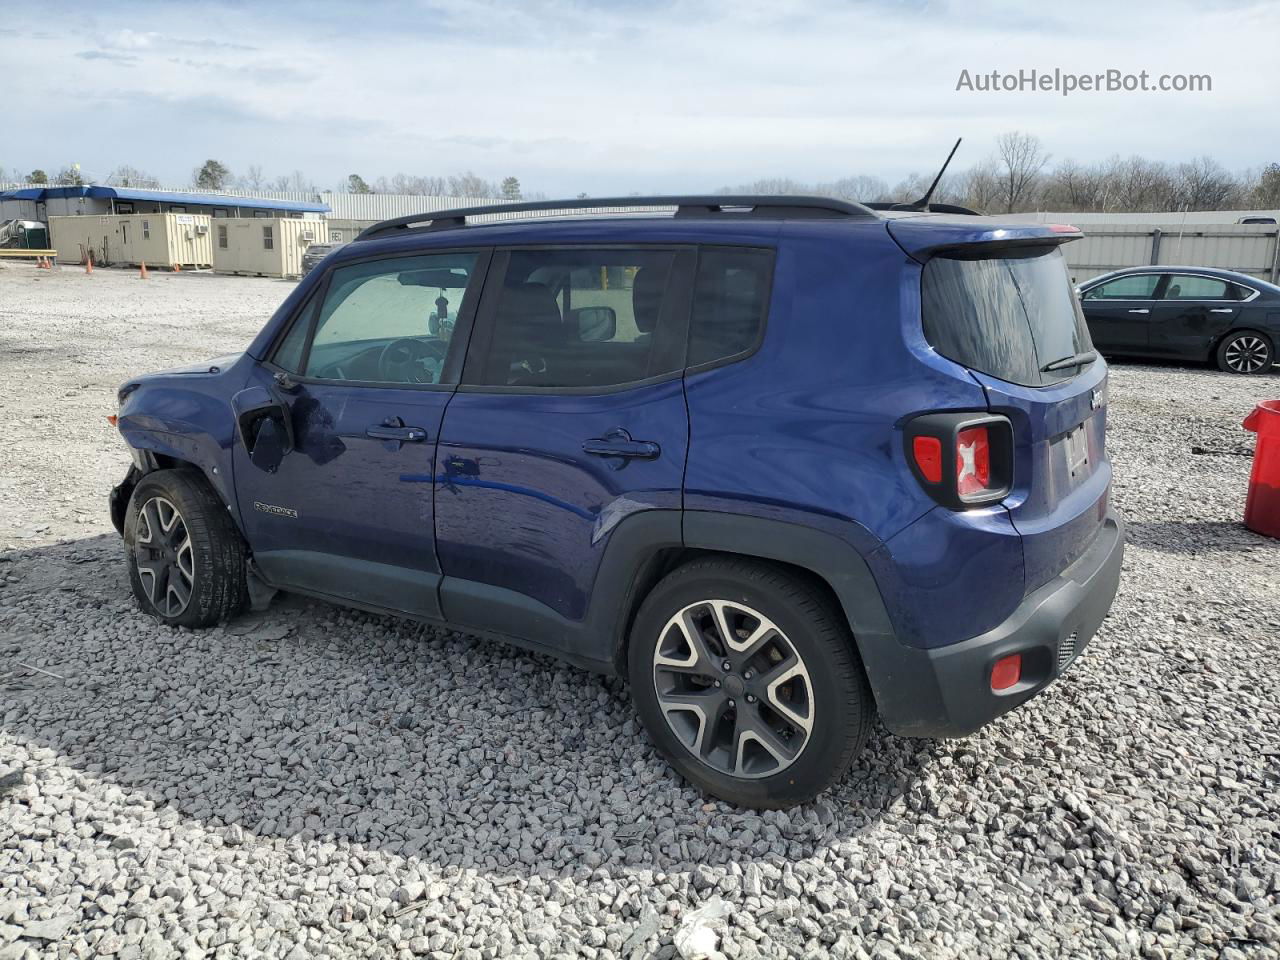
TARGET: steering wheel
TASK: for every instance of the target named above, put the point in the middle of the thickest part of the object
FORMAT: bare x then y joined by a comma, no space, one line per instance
410,360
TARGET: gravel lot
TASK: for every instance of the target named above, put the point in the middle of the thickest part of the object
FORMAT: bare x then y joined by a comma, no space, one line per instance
318,782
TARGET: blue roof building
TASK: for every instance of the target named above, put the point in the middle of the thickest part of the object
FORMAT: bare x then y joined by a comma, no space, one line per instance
39,202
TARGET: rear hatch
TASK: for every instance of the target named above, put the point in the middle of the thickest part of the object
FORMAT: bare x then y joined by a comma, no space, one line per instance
997,299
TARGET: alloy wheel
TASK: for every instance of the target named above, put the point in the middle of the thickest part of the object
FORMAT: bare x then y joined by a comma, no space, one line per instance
733,689
1247,354
163,555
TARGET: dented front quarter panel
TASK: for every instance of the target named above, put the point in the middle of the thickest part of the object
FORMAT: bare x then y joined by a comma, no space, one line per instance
185,414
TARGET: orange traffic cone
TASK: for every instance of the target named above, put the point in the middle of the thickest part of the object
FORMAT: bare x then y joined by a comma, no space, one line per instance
177,268
88,264
142,271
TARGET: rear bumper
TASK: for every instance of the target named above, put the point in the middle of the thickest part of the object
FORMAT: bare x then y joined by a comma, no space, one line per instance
946,692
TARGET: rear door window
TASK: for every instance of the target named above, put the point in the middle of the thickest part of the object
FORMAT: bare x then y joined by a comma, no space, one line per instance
583,318
1197,288
1005,316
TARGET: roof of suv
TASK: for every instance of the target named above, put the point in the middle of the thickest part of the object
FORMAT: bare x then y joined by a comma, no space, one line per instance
716,219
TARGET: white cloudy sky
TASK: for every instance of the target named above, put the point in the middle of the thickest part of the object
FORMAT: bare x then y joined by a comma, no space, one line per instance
602,97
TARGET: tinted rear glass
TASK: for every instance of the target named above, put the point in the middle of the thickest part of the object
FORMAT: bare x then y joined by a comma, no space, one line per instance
1005,316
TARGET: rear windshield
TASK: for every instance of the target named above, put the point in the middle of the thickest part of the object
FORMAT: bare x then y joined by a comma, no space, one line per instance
1005,316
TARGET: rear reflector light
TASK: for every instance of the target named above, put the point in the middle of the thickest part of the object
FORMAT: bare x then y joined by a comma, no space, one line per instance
1007,672
928,454
973,461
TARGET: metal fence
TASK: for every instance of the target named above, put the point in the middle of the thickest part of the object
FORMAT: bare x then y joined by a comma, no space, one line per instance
1245,248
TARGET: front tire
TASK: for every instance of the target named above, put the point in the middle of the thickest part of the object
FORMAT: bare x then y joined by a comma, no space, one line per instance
186,558
1246,352
749,682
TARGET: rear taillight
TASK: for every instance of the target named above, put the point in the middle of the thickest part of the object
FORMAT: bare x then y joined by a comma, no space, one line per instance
962,459
973,461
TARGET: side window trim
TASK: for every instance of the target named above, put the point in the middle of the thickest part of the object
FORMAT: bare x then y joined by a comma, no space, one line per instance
450,374
678,308
750,351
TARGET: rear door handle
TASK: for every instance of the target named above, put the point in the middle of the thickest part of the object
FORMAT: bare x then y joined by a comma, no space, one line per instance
618,443
393,428
1223,310
1139,311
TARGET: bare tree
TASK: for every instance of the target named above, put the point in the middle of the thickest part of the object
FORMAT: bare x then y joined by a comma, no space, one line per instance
471,186
856,188
1264,190
252,179
127,176
1072,186
979,186
1021,159
1202,184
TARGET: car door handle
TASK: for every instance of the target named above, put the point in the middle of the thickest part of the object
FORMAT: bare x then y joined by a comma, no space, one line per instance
1222,310
1139,311
618,443
394,429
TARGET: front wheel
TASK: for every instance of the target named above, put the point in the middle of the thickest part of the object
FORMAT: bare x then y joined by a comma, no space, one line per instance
748,680
1247,352
186,558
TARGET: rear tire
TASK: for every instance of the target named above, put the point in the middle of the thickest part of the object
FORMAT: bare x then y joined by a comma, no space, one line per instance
770,719
187,560
1246,352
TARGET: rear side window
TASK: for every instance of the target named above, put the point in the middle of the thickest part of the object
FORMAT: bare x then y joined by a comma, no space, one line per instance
583,318
1198,288
1004,316
730,301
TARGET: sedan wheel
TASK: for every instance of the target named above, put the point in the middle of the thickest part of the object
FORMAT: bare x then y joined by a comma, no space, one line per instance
1245,352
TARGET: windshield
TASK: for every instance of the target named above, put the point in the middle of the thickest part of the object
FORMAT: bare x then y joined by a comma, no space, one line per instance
1006,316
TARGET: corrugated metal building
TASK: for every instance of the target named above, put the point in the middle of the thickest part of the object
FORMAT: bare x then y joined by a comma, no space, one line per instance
263,247
157,239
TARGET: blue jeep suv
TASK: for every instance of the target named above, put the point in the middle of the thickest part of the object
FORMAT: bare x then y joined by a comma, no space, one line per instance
782,462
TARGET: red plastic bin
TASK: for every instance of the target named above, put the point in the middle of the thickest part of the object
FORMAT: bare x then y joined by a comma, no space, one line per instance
1262,508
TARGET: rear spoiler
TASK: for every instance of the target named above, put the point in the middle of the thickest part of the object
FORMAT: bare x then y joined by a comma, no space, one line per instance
931,236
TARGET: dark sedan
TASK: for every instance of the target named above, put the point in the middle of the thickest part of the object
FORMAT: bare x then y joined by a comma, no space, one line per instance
315,253
1185,313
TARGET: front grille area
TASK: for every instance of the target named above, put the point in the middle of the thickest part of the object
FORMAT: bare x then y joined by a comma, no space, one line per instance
1067,650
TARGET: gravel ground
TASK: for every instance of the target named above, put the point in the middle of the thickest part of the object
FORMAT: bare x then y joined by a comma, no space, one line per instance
317,782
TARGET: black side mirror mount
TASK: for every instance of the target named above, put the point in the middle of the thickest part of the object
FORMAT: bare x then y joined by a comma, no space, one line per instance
264,425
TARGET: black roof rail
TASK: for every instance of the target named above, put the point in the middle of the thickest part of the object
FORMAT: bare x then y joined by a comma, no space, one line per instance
777,207
931,208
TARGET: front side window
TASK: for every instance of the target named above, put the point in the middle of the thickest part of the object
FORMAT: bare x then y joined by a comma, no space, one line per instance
1197,288
1140,286
268,240
583,318
389,321
730,301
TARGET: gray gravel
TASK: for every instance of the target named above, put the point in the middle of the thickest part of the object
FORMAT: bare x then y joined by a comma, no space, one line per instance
316,782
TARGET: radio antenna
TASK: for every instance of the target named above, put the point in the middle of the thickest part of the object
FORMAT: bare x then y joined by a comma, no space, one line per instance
923,202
